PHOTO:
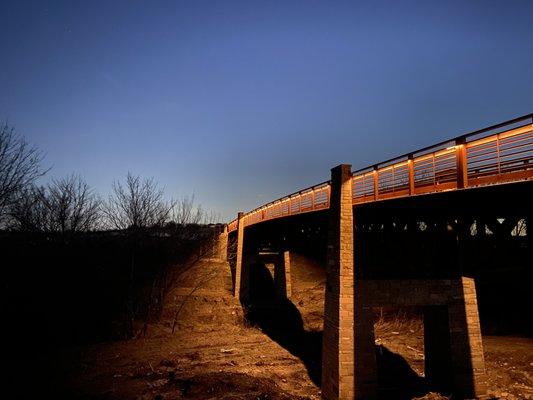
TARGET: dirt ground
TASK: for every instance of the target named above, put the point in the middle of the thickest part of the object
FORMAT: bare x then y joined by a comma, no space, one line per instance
214,354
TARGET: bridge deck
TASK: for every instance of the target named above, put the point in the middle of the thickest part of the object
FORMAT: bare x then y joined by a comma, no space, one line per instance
498,154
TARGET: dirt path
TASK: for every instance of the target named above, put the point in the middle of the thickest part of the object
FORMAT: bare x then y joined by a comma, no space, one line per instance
214,355
245,363
237,359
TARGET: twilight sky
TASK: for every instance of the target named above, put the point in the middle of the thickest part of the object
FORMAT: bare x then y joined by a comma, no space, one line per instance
241,102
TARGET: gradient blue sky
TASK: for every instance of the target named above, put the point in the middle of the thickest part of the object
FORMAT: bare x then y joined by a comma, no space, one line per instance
241,102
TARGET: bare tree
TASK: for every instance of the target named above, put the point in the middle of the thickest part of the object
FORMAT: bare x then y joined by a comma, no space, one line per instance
73,205
19,167
66,205
185,212
211,217
138,203
29,211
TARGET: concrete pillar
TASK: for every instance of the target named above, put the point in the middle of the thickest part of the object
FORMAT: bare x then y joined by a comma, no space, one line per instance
338,336
238,262
468,363
222,251
282,276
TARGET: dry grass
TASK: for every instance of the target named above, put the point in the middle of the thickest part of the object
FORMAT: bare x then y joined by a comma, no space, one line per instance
400,321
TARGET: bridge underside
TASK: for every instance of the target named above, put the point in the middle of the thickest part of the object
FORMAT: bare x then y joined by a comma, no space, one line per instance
421,251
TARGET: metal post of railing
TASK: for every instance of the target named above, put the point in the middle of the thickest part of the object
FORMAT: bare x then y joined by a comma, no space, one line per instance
411,172
393,179
462,165
498,154
376,183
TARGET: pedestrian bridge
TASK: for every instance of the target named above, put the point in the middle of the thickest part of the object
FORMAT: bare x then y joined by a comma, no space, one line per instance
459,188
498,154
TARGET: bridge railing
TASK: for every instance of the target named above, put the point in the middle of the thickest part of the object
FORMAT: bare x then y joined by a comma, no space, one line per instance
497,154
310,199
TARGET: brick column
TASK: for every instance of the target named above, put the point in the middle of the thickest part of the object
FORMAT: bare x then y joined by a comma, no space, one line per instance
238,262
468,363
282,275
338,336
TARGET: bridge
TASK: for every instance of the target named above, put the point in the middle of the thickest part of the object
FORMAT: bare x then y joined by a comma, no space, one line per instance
399,233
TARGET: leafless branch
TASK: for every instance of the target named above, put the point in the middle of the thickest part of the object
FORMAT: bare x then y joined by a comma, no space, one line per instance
20,166
138,203
66,205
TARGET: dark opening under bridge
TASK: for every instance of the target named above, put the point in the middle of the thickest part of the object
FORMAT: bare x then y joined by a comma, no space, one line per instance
458,185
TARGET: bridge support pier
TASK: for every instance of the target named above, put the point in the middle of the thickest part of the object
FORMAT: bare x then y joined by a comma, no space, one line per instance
279,266
468,363
338,336
348,351
282,276
240,288
453,348
222,245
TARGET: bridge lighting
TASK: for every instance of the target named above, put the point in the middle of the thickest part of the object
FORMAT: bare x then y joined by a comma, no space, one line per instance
421,174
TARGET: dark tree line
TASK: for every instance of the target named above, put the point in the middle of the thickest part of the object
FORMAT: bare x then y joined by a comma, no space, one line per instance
20,166
70,205
113,258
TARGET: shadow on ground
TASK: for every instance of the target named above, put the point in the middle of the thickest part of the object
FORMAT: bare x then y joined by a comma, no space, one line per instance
281,320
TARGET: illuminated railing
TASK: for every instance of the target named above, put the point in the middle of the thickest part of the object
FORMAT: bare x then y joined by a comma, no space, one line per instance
310,199
497,154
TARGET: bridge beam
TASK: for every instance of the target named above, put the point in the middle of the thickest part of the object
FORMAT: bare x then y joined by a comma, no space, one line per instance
338,337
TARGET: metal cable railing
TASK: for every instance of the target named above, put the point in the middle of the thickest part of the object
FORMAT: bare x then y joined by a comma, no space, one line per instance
497,154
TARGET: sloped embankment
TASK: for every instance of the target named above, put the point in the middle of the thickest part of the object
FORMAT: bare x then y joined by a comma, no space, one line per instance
201,299
212,353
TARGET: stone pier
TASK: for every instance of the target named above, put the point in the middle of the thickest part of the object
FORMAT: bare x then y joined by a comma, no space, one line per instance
454,360
222,245
453,348
338,336
239,257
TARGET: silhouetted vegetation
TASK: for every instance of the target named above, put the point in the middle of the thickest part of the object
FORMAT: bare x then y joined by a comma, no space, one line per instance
20,166
65,205
78,269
